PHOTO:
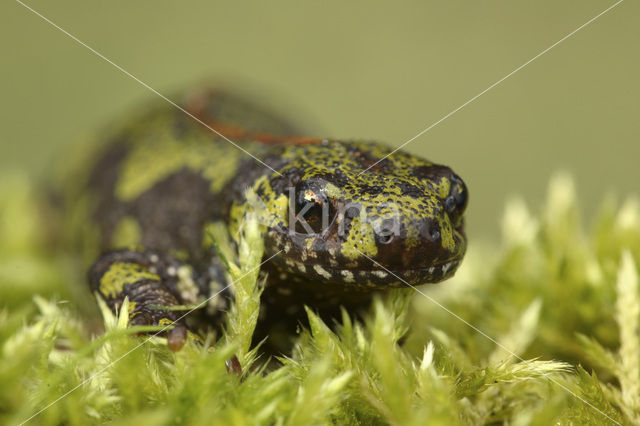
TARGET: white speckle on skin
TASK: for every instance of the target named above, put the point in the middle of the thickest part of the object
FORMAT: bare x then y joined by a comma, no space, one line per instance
446,267
186,286
301,267
153,258
303,255
287,247
348,275
171,271
379,274
431,270
321,271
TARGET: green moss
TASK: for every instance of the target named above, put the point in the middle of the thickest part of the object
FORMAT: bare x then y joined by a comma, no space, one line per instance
564,302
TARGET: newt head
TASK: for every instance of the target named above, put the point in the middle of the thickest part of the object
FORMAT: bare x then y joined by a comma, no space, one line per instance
349,214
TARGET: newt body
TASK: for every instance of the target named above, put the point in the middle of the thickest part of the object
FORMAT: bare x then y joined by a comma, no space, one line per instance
337,210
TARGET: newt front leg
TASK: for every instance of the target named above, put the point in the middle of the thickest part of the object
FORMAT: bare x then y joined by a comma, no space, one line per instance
150,281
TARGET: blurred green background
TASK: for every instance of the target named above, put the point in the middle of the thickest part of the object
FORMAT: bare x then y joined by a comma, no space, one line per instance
376,70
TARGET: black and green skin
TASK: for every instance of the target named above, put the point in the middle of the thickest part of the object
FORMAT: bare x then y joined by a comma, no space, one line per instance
161,178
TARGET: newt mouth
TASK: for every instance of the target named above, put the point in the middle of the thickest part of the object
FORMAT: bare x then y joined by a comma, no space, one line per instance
389,268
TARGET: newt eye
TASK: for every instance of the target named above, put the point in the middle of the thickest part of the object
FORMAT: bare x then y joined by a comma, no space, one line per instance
456,202
312,210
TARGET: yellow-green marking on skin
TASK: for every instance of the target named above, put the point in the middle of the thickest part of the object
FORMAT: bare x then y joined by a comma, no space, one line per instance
444,187
446,234
161,155
127,233
121,274
361,240
132,310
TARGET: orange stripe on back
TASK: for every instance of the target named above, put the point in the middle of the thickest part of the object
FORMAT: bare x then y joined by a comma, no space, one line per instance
197,105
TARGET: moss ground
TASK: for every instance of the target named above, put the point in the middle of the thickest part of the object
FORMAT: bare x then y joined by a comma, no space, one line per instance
542,329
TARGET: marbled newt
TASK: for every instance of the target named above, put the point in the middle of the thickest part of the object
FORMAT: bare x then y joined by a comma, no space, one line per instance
160,178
